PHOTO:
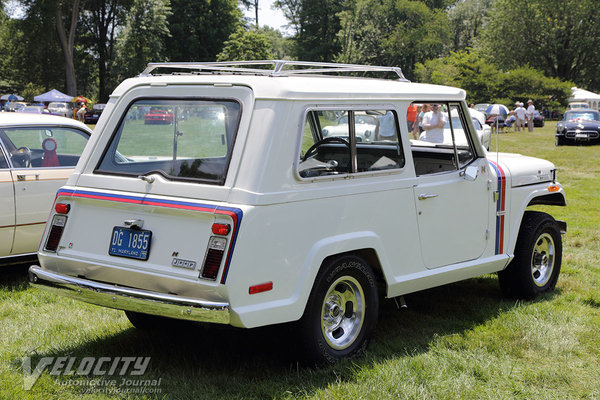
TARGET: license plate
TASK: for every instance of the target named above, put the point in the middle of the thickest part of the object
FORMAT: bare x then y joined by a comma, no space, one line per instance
581,136
130,243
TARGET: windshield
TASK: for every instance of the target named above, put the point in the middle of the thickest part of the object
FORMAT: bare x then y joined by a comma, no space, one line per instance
582,116
179,139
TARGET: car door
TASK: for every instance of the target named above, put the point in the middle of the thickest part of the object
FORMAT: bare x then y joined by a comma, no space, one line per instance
7,207
451,194
42,160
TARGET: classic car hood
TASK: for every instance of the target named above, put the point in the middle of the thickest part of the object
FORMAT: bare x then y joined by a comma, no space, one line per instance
525,170
583,125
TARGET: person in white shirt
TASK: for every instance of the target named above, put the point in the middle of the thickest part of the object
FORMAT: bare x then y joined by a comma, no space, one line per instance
529,113
433,125
520,114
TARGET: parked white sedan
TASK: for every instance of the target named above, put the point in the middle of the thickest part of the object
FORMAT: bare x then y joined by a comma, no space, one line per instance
37,155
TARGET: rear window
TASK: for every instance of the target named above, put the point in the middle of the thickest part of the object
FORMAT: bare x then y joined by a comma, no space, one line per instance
178,139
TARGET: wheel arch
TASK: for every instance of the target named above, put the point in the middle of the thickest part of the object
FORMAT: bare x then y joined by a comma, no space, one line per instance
366,245
535,197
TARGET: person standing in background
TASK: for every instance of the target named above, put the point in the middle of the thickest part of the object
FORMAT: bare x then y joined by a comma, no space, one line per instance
529,113
520,115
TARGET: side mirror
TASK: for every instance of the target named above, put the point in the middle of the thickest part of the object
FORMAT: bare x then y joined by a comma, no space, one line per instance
470,173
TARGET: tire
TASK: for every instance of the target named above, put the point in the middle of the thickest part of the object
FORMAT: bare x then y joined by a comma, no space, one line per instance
341,312
560,141
538,257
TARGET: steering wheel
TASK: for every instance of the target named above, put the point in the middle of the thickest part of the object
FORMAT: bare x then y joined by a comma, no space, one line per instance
23,156
332,139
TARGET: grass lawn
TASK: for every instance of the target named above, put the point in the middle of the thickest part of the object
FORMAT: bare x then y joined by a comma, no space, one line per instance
461,341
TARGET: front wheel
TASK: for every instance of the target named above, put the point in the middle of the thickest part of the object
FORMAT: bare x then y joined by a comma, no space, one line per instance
341,312
538,257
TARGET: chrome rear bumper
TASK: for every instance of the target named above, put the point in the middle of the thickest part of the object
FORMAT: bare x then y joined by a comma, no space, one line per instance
124,298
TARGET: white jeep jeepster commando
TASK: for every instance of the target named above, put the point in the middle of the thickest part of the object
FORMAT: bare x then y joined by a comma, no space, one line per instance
260,196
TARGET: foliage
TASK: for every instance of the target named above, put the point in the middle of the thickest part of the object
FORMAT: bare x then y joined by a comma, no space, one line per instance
485,83
142,40
318,26
199,28
281,47
30,91
29,48
100,21
466,19
391,32
558,37
246,45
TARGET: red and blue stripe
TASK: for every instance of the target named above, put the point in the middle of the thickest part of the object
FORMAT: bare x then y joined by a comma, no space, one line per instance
235,214
500,207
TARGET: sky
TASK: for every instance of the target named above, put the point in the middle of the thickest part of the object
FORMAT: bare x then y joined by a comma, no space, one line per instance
268,16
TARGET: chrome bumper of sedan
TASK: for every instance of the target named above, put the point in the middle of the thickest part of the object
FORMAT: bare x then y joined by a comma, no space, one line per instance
129,299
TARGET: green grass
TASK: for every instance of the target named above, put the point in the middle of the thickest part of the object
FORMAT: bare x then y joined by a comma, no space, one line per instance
461,341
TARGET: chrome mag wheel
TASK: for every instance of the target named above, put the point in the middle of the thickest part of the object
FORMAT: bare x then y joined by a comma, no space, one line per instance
343,312
542,259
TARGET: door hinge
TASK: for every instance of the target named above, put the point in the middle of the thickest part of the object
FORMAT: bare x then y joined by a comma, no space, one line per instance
487,234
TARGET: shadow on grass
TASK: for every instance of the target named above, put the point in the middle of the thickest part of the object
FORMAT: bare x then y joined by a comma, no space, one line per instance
13,278
212,361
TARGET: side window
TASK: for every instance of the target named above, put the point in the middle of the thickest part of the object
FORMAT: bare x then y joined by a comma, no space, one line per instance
338,142
44,147
3,162
440,141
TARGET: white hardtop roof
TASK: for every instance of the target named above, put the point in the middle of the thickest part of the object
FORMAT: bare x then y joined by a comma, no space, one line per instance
25,119
297,84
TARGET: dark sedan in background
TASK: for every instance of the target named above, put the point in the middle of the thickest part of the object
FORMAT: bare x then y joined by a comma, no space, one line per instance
578,126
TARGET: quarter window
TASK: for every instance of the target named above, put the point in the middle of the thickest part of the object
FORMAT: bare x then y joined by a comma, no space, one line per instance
338,142
179,139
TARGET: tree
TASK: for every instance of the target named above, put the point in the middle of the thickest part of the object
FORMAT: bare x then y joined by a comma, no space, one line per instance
485,83
392,32
281,47
29,49
101,20
467,19
246,45
199,28
143,37
249,4
67,40
558,37
318,25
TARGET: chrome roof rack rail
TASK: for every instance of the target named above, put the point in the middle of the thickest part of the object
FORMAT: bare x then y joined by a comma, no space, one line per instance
279,68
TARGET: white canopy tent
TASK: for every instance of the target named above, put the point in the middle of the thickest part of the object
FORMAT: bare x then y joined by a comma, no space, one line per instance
585,96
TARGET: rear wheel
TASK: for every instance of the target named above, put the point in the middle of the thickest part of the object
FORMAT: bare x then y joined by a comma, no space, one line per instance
538,255
341,312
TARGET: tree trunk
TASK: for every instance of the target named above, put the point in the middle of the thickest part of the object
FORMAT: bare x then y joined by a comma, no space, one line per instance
67,45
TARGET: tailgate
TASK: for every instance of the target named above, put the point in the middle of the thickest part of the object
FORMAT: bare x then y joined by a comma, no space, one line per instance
156,235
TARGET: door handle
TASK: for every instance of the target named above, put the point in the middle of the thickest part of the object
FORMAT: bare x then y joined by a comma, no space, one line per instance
425,196
22,177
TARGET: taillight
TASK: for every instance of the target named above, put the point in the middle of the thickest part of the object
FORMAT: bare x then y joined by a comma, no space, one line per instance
62,208
221,229
213,258
56,231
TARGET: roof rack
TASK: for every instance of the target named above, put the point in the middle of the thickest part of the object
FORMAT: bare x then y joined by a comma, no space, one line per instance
279,68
